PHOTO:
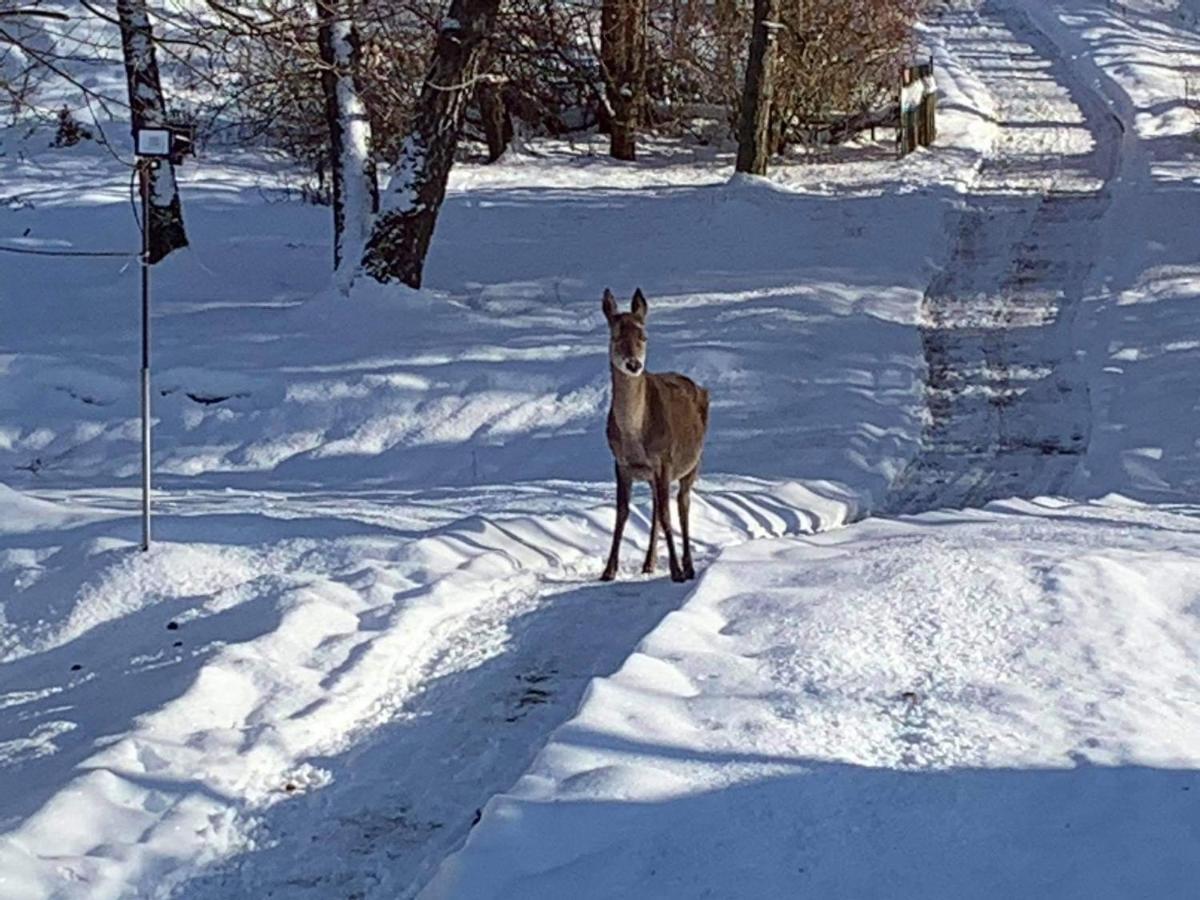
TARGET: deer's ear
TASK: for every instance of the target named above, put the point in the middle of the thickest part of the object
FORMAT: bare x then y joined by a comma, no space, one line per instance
639,307
609,305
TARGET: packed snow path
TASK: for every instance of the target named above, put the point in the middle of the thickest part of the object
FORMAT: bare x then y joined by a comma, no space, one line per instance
1008,414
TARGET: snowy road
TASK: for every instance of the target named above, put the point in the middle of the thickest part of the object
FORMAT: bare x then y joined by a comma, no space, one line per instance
359,671
1010,411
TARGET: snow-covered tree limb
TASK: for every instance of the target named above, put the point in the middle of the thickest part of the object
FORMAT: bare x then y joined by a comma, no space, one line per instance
355,189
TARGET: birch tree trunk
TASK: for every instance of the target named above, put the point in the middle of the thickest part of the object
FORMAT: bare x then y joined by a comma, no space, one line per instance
623,56
400,239
148,110
754,139
355,188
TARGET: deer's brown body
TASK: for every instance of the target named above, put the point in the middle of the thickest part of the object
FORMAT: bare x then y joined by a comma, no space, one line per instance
656,429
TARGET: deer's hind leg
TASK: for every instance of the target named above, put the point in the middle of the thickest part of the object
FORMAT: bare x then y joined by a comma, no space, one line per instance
685,507
652,550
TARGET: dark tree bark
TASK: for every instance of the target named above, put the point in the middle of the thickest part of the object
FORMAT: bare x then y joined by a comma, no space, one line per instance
623,57
496,120
352,166
754,137
400,239
148,110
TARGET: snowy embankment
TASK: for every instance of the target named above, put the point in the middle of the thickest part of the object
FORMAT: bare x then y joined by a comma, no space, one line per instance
997,703
1139,331
372,596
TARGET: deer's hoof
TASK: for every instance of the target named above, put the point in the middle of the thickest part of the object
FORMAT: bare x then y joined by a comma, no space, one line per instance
608,576
689,572
648,568
678,575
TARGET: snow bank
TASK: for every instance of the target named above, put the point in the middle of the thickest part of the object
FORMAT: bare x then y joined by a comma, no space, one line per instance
21,513
953,705
1137,337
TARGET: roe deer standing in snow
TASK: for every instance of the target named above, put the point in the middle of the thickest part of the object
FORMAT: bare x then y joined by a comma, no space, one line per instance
656,428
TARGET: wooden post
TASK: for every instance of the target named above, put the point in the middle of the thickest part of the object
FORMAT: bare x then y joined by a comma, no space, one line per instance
754,126
918,108
931,106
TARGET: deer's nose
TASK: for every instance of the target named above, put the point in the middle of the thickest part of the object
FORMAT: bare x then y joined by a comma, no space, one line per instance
633,365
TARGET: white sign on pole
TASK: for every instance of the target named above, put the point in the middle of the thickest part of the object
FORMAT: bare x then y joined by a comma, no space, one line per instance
155,142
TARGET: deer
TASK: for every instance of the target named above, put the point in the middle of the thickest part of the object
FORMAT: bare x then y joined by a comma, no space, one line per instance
656,428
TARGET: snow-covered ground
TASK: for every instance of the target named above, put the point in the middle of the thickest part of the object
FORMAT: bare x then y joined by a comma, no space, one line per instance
372,606
956,705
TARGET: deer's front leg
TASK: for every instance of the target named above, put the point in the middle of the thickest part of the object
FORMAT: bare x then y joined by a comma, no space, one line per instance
624,485
662,500
651,551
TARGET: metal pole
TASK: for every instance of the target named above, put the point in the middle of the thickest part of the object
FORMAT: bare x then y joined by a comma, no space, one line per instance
144,166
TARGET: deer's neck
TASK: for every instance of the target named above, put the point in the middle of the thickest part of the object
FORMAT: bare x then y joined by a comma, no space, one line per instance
629,402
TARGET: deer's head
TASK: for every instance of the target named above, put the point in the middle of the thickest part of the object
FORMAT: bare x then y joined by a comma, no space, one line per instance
627,334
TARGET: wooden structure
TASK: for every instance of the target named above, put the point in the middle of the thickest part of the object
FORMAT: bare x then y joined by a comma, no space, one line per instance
918,108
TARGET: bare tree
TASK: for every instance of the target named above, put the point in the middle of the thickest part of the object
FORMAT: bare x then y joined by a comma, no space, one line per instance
400,239
754,128
494,117
148,110
623,59
352,166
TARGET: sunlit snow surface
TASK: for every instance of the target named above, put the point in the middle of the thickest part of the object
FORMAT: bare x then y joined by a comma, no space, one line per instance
994,703
372,606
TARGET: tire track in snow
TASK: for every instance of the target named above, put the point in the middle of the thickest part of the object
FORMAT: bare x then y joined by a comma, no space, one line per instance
1009,414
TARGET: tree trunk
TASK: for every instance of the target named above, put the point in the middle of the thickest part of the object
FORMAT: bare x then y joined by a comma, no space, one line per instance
355,189
623,57
754,137
400,239
497,123
148,110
